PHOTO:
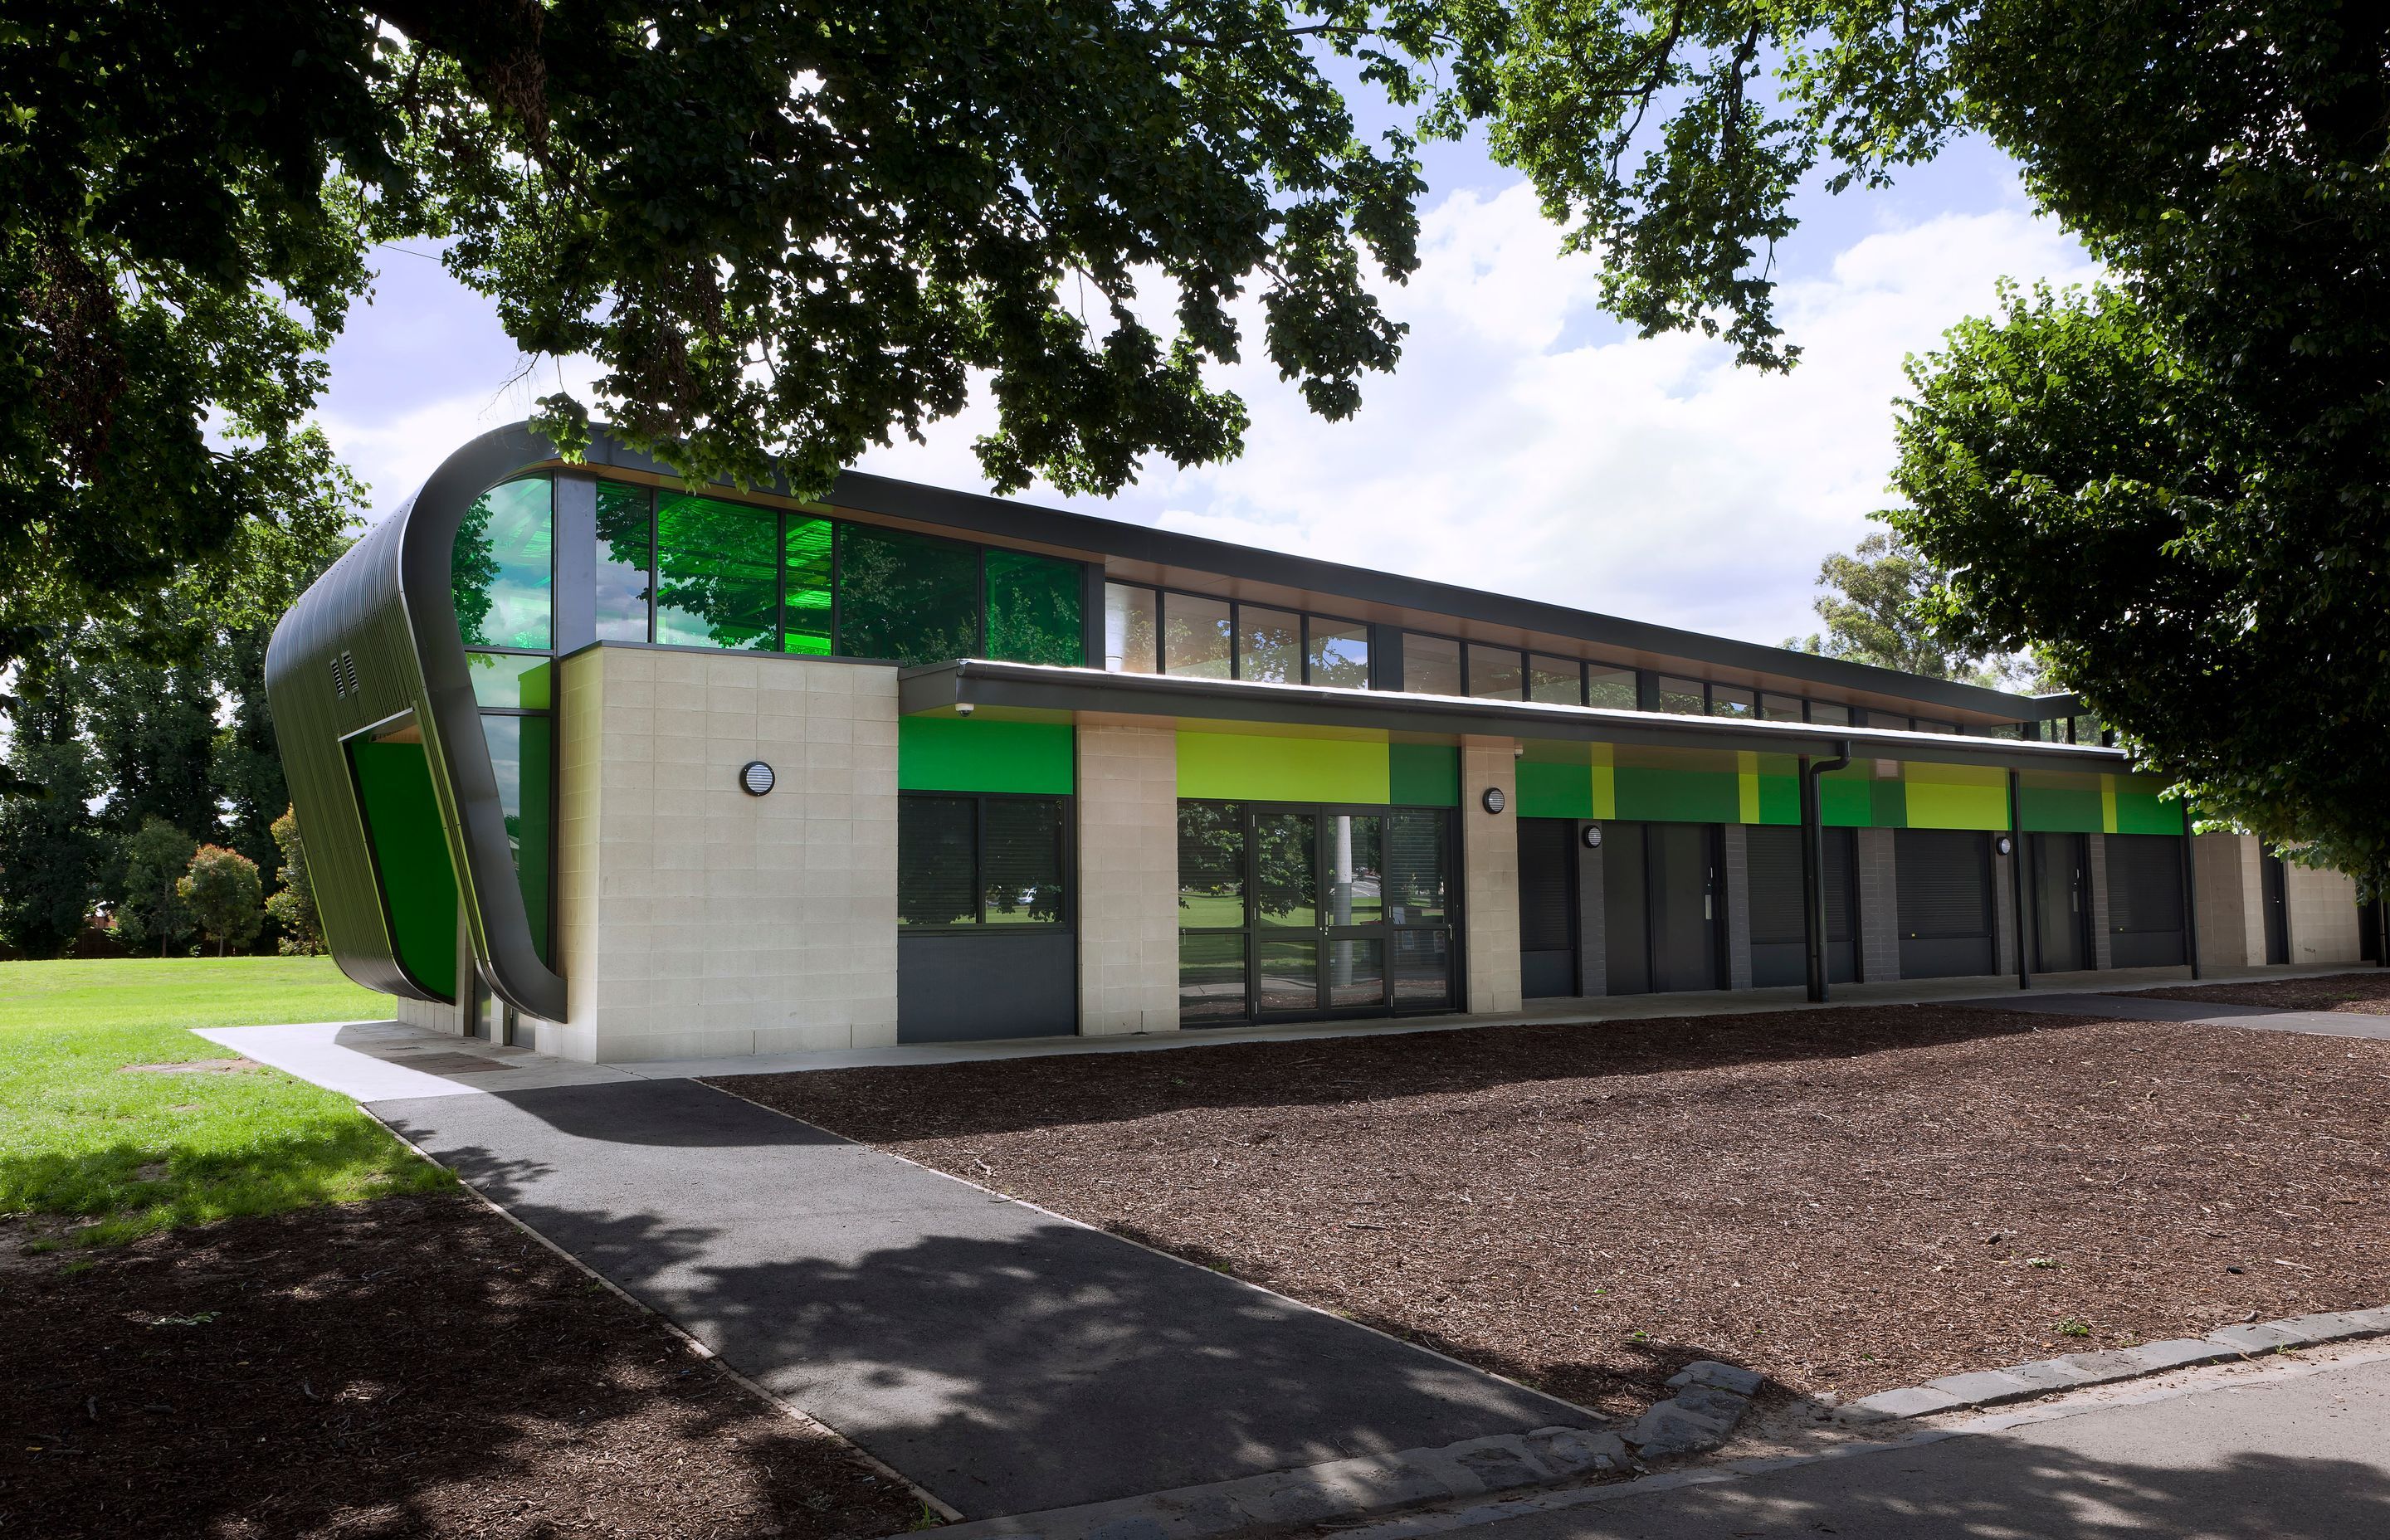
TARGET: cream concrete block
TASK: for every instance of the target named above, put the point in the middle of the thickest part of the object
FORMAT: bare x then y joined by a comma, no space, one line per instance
1489,851
2323,919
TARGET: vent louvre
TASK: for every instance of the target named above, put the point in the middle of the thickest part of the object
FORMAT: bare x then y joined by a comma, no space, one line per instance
345,675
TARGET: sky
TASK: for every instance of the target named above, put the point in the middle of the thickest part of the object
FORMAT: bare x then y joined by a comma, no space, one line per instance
1527,444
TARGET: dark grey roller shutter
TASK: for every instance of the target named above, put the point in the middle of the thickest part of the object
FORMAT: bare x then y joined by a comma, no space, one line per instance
2144,900
1547,849
1775,868
1944,882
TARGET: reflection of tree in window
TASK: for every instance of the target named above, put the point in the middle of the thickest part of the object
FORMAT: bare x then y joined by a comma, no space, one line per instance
1034,608
718,581
906,596
934,857
472,573
500,566
622,585
1022,883
1211,864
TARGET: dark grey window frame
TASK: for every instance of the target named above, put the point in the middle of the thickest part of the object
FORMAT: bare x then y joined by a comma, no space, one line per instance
1161,597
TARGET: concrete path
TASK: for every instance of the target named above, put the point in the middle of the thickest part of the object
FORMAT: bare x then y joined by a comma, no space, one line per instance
2304,1455
2208,1013
1005,1359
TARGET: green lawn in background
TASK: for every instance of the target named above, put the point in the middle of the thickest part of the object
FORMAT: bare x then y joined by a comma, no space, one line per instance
144,1152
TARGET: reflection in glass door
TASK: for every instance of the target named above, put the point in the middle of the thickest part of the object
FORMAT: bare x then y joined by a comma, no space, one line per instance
1289,913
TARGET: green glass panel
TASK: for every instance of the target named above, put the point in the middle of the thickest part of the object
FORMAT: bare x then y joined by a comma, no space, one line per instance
410,851
501,571
521,756
1034,609
510,680
906,596
625,558
719,581
804,586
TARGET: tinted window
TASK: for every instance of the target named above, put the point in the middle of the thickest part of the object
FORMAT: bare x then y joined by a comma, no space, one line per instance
1779,707
1497,673
1195,636
1340,653
1269,645
1034,604
1733,700
1415,873
1830,711
1681,696
805,555
1431,664
1210,866
510,679
908,597
501,568
718,573
935,884
1610,687
1020,876
521,756
1131,630
623,555
1554,679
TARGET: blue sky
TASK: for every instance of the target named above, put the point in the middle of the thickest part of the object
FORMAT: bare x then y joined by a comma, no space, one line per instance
1528,444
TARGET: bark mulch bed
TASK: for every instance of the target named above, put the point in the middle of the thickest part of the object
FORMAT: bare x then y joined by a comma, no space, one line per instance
409,1366
2367,992
1846,1199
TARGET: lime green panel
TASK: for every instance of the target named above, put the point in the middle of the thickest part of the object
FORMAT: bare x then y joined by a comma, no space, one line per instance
1240,767
1678,796
1555,791
1956,796
2061,809
1423,774
955,753
410,850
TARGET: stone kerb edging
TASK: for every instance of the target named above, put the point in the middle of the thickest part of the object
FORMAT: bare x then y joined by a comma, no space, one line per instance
1710,1399
2047,1376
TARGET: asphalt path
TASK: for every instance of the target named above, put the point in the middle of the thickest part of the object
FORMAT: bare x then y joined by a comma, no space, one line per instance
1004,1359
2280,1459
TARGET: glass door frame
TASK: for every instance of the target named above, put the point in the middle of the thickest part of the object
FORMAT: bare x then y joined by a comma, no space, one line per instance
1384,930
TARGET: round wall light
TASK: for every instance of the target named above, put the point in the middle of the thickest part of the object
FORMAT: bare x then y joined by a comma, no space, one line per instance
2004,844
1494,800
755,777
1593,836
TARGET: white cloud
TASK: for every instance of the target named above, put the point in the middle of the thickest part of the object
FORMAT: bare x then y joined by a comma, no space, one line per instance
1648,479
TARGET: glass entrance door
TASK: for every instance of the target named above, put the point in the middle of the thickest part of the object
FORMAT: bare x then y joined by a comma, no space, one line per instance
1297,913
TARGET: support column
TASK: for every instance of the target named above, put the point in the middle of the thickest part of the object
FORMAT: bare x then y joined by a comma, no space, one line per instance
2103,944
1489,864
2227,895
2004,926
1878,906
1738,906
1592,920
1128,876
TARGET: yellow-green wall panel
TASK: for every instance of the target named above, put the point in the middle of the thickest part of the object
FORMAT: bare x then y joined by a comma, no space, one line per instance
1242,767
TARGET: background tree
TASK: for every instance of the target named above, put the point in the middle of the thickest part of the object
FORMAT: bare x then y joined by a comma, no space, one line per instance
156,857
292,907
221,890
1878,609
51,849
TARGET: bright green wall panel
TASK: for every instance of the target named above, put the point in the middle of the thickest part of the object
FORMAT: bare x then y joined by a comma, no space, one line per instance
1845,801
1258,767
955,753
1780,799
2140,812
1555,791
1424,774
1678,796
2061,809
410,849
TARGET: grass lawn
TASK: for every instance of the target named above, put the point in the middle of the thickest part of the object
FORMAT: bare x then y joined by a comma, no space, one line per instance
82,1138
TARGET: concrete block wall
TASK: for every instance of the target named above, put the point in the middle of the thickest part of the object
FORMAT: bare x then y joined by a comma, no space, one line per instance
2228,897
698,920
1737,875
2323,916
430,1016
1489,864
2004,911
1879,887
1128,876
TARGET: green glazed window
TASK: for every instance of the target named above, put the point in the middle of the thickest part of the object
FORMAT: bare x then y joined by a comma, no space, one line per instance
906,596
509,681
719,582
1034,609
521,751
501,571
805,568
625,561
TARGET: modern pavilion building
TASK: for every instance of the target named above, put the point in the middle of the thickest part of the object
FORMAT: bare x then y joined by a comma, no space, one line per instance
619,771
